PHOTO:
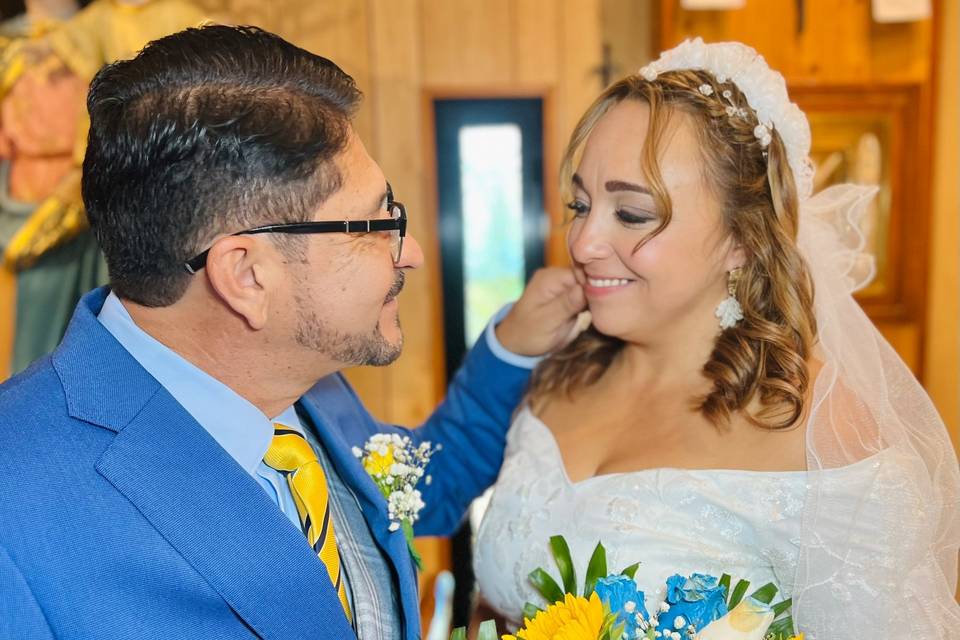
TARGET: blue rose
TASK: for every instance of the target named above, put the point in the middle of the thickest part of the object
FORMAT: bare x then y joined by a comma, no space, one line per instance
620,594
697,600
675,589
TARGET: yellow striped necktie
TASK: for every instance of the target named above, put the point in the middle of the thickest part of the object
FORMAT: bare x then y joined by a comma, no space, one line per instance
293,456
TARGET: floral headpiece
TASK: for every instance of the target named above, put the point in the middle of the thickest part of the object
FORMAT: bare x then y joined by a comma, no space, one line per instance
764,89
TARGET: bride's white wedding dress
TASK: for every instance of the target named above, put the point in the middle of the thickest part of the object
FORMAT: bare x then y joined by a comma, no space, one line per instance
744,523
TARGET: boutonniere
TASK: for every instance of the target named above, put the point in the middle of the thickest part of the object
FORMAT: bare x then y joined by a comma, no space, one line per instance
397,466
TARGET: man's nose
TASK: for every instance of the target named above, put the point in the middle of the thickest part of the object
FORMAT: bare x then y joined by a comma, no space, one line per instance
411,256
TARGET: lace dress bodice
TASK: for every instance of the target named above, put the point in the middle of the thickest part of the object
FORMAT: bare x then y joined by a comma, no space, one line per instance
744,523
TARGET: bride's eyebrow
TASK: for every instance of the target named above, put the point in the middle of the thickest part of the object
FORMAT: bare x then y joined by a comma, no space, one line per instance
619,185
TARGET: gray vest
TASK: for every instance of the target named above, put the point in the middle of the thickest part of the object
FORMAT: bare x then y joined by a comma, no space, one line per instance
372,588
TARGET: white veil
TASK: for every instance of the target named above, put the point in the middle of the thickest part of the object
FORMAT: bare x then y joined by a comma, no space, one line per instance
878,560
878,547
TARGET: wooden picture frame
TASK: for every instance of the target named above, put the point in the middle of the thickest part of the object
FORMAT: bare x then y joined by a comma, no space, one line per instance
873,134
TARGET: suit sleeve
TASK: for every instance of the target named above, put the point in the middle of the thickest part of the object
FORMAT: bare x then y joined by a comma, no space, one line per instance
20,615
471,427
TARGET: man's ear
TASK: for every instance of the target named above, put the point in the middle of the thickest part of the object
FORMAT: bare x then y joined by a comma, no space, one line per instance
241,270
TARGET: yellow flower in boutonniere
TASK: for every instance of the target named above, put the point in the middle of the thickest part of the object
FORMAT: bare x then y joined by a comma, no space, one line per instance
377,463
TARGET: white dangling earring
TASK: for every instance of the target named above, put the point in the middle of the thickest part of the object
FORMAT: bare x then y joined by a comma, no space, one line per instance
729,311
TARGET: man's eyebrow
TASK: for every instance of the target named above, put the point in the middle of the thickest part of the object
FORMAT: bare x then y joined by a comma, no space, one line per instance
620,185
578,181
382,201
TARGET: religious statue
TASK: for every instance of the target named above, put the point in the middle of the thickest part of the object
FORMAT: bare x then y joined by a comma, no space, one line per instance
44,74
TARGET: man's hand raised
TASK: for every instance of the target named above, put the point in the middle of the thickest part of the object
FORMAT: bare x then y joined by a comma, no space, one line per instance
546,317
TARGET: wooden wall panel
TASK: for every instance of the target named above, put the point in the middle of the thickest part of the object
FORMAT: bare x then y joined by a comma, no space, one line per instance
831,46
943,316
628,27
536,47
901,52
466,43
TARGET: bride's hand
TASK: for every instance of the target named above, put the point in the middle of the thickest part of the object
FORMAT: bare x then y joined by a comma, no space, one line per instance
545,317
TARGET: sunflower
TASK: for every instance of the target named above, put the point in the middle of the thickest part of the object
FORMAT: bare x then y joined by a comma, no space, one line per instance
573,618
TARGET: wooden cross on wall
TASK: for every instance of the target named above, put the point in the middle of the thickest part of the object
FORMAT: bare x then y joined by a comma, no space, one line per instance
607,69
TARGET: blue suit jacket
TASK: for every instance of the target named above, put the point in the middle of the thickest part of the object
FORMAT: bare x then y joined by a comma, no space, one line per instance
121,517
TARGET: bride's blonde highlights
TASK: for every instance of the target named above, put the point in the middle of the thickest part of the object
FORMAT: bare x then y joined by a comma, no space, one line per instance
759,367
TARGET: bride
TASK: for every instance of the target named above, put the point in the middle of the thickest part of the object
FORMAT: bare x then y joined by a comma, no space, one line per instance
730,409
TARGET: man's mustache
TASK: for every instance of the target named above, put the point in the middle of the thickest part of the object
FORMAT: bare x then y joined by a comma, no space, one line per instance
396,288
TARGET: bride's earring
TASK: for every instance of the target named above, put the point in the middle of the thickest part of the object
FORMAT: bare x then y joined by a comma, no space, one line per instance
729,311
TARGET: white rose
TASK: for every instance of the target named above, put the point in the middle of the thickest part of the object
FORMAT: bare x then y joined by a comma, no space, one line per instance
749,620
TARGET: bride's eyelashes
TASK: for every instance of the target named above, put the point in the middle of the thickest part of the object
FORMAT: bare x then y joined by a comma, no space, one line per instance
634,218
627,217
578,209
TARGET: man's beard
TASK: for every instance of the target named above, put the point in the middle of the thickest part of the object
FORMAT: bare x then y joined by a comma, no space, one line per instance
349,348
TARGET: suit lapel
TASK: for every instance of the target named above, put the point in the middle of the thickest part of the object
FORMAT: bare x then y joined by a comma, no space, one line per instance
193,493
335,413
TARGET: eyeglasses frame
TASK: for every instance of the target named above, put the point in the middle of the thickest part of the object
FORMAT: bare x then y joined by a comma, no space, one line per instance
399,223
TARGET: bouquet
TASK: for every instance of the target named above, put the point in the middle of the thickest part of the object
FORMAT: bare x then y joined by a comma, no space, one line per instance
696,607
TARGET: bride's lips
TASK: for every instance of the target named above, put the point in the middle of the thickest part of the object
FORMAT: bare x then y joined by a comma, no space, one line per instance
595,286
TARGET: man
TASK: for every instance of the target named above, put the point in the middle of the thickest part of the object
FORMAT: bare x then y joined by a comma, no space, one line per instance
255,250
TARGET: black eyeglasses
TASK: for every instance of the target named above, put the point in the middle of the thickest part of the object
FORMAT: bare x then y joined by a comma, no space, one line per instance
396,225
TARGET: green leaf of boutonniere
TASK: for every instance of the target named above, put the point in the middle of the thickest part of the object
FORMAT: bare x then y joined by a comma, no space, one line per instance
407,529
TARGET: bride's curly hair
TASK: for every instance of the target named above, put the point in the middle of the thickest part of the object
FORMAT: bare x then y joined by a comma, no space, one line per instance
765,356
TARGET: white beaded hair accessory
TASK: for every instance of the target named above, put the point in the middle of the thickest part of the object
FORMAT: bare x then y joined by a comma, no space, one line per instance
764,89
